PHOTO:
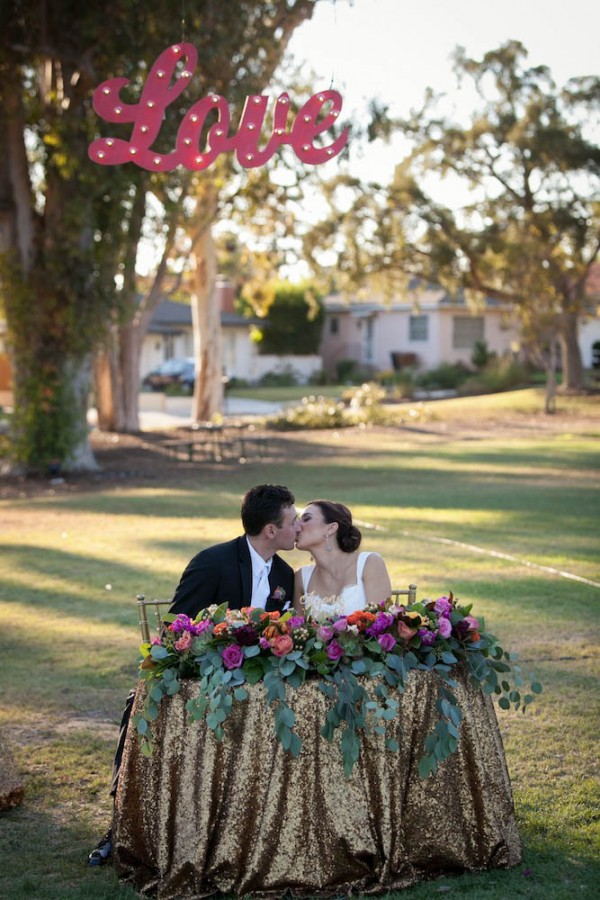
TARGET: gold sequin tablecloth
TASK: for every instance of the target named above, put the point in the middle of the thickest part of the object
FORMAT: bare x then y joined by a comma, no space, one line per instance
198,817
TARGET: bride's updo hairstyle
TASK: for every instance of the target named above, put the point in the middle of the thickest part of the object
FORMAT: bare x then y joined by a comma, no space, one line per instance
348,536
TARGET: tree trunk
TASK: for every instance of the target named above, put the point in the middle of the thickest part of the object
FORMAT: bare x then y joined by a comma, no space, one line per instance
81,457
206,319
550,398
111,414
572,364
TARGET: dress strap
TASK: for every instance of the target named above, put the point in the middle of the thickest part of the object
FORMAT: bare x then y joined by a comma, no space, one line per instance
360,563
306,573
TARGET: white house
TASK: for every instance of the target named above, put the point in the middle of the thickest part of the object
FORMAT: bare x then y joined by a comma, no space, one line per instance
170,335
425,328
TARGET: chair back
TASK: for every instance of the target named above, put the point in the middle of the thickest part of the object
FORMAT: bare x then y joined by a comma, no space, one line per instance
410,592
143,605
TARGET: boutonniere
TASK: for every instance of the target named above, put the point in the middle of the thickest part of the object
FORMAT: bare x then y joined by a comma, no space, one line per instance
278,594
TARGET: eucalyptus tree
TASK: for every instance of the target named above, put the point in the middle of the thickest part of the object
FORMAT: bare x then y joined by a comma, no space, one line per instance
527,229
70,229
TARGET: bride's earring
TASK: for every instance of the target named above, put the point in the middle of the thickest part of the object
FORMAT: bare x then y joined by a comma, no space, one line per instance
328,542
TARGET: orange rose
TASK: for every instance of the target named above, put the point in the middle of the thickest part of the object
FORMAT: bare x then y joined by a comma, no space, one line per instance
220,628
272,616
361,619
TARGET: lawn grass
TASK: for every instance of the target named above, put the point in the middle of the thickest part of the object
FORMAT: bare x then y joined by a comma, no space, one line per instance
489,518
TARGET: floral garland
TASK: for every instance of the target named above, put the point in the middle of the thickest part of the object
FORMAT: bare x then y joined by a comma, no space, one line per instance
227,650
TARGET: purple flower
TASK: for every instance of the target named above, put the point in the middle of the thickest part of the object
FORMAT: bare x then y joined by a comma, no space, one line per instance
427,637
442,607
334,650
296,622
325,633
340,624
384,620
233,656
245,636
201,627
444,627
264,644
181,623
387,642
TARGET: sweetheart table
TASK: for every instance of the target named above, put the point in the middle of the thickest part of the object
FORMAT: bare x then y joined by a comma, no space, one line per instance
199,817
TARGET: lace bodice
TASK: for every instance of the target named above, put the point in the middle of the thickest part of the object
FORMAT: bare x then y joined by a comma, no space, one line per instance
352,597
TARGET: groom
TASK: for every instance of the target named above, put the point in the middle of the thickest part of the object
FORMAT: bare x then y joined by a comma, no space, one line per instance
243,572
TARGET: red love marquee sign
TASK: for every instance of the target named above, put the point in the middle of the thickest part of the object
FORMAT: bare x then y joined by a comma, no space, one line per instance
167,79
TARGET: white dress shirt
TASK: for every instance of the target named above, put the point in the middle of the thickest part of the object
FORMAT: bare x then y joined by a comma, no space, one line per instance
260,578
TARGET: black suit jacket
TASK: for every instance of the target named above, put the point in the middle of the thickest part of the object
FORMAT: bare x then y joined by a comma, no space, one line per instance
223,574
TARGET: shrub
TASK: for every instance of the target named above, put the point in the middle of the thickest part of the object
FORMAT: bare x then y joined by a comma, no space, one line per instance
283,378
500,374
349,371
312,412
447,376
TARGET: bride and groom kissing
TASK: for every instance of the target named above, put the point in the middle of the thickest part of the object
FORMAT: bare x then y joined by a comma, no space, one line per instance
248,571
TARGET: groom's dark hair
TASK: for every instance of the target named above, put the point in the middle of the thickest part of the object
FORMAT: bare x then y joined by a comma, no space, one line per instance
263,505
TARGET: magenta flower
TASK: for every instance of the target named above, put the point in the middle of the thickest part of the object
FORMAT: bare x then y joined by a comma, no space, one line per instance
442,606
203,626
334,650
233,656
427,637
340,624
296,622
387,642
382,622
444,627
264,644
325,633
181,623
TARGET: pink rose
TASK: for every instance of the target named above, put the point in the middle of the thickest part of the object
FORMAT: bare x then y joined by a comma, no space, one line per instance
442,606
444,627
184,642
386,642
334,650
405,632
325,633
233,656
340,624
472,623
282,645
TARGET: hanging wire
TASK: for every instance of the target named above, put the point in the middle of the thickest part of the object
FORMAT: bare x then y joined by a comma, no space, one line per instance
183,35
335,30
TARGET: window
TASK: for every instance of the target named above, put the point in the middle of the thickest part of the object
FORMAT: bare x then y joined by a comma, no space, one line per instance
334,325
466,330
418,328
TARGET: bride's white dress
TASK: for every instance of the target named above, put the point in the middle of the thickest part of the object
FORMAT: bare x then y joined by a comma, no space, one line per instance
353,596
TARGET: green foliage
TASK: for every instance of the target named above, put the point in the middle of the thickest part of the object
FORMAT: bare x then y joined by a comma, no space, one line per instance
447,376
294,320
74,226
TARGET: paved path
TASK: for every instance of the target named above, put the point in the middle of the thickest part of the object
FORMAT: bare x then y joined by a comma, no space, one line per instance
152,420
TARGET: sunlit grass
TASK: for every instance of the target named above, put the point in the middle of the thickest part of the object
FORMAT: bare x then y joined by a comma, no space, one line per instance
478,517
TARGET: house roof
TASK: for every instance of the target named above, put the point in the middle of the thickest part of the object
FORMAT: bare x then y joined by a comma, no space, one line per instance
170,317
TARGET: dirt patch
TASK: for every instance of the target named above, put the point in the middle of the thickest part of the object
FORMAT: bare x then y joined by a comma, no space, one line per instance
161,456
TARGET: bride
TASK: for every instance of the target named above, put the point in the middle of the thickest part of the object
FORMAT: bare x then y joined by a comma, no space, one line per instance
342,580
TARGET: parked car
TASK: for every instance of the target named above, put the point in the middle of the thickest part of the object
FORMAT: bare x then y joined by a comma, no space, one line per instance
179,372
